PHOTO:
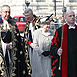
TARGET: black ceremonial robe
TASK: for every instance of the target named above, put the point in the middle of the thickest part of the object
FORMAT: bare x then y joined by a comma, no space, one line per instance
69,54
18,66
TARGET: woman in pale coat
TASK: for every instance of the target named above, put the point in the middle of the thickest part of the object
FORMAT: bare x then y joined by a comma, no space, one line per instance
41,62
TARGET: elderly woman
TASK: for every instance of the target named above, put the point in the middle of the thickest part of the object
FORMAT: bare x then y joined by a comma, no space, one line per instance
41,62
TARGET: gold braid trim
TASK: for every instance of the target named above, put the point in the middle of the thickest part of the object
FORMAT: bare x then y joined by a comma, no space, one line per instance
27,50
14,50
3,68
12,67
36,24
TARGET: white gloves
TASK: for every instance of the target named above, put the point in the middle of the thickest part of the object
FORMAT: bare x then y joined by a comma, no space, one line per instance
59,52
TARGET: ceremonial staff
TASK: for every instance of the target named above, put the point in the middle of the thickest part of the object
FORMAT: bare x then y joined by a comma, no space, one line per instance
63,10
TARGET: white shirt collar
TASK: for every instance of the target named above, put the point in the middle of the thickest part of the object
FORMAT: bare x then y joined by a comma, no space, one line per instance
71,27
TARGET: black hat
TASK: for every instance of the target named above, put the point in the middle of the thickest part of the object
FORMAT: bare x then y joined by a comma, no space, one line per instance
45,20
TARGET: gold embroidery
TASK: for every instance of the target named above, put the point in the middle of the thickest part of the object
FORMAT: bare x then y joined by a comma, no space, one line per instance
21,52
24,72
26,40
26,46
17,34
12,67
2,66
27,50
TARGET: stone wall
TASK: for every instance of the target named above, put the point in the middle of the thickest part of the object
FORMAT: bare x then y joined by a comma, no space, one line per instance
39,8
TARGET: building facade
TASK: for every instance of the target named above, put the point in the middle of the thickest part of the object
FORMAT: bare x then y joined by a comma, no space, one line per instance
40,7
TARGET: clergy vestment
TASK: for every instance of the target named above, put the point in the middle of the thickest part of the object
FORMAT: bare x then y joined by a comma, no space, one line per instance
69,52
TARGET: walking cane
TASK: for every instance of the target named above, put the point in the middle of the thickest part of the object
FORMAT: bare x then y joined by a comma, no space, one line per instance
63,10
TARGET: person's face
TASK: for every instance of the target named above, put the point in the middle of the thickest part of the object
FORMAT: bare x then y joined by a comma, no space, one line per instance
46,27
70,17
5,13
29,16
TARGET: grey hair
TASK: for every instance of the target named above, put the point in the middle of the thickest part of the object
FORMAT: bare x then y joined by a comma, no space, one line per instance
5,6
28,10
